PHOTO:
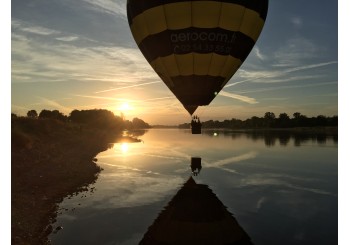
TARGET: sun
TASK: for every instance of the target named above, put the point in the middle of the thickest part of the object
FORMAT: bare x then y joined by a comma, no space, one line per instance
124,147
125,107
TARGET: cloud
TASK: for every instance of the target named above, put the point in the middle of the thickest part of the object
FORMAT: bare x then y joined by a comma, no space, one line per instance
273,76
67,38
39,30
17,109
108,6
160,98
239,97
130,86
251,76
286,59
296,21
120,99
274,99
289,87
258,53
99,97
27,27
296,51
287,79
311,66
62,61
55,104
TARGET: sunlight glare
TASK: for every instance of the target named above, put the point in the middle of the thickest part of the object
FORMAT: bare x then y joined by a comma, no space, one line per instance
124,147
124,107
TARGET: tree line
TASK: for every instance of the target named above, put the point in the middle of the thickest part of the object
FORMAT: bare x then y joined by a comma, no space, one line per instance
269,120
94,118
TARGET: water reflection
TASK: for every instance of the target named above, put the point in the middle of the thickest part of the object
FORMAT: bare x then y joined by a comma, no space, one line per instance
280,195
284,137
136,132
195,215
196,165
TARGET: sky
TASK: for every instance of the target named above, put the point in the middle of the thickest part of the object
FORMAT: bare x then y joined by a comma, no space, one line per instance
80,54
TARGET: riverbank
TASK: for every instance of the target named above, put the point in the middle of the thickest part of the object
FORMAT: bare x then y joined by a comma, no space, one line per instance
49,161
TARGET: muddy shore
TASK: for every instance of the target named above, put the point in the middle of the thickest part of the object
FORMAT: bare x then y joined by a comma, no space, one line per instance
49,161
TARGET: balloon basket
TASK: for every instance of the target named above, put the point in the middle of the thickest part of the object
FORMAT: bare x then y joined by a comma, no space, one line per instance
196,130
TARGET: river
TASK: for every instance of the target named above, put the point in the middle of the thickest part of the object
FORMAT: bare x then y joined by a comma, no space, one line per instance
280,187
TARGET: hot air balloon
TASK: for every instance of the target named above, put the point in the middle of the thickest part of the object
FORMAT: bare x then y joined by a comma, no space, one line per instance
196,46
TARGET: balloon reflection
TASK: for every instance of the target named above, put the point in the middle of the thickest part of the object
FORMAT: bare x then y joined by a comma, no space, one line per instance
196,165
195,215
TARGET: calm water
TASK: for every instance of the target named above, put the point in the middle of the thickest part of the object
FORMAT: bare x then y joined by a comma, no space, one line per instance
281,189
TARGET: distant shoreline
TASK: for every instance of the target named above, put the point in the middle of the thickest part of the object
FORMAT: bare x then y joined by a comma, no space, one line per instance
296,129
315,129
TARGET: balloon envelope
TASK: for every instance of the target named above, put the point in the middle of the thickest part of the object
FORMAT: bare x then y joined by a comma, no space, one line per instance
196,46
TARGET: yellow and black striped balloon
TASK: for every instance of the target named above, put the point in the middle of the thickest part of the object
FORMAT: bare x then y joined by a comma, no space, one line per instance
196,46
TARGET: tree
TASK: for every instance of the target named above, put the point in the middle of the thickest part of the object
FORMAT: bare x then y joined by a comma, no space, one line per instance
269,118
96,118
55,114
283,120
32,114
254,122
321,120
299,120
139,123
45,114
283,116
296,115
